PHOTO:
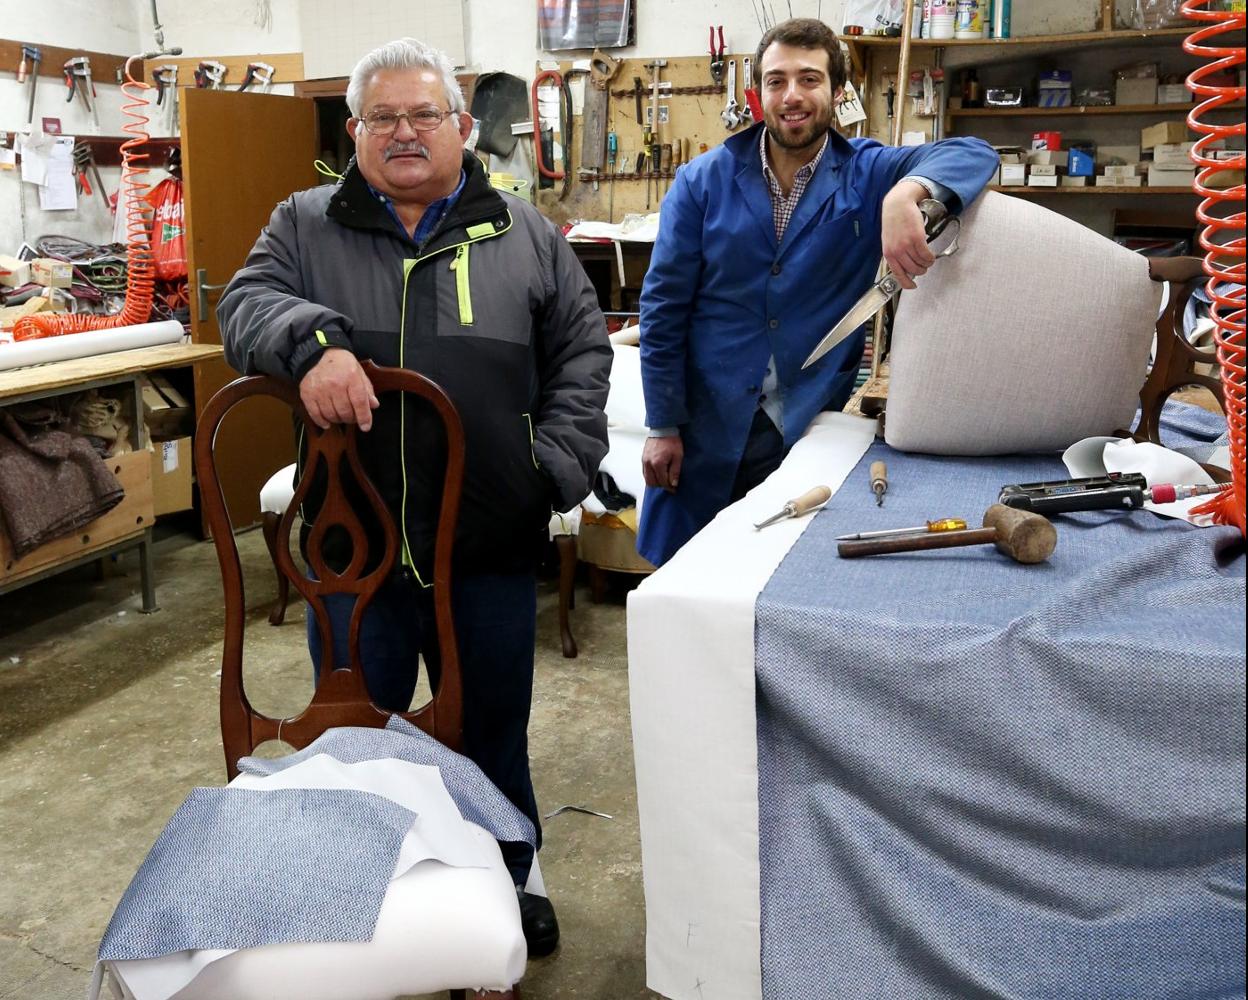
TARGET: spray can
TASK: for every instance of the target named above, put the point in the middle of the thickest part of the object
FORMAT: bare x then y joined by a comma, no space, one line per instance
1001,19
916,19
926,31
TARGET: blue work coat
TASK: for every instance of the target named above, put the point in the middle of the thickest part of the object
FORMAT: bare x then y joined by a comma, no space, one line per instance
722,296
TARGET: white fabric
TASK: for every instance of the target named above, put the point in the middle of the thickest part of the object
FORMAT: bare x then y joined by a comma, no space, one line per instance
691,684
633,228
626,404
276,494
1096,456
566,523
450,918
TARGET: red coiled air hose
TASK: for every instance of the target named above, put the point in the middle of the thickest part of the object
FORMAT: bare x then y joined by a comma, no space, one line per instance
1222,237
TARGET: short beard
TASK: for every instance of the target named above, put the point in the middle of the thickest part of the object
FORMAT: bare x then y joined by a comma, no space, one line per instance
415,146
819,128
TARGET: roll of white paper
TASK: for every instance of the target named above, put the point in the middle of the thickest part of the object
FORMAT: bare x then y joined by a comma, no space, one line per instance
81,345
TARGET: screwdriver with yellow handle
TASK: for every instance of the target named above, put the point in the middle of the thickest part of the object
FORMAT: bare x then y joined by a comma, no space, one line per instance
798,506
943,524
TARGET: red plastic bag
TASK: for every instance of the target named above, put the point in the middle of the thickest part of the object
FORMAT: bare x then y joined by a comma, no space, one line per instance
168,230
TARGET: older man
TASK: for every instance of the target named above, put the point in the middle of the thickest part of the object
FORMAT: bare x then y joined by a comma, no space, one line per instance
413,259
764,244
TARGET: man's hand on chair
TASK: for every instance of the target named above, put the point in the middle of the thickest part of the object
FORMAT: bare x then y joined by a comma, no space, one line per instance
336,391
661,459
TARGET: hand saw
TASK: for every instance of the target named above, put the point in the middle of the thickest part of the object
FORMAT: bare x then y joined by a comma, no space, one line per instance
942,238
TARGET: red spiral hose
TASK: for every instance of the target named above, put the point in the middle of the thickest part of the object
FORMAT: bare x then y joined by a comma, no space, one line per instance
1222,237
140,264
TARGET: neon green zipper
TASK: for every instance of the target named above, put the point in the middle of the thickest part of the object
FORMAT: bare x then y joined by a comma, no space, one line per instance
462,289
482,231
532,453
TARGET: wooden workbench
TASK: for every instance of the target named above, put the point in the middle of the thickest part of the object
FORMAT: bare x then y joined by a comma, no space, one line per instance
129,524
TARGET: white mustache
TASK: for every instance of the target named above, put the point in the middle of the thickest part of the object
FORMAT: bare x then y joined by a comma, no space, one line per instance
415,146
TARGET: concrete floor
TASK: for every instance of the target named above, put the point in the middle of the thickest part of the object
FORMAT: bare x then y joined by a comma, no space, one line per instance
108,717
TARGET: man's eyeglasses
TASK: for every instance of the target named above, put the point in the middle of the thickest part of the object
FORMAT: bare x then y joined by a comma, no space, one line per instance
385,122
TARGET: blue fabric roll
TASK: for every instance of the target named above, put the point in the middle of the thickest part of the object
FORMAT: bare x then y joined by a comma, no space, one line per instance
983,779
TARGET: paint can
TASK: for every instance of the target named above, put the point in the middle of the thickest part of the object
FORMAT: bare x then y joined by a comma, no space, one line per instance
943,14
968,19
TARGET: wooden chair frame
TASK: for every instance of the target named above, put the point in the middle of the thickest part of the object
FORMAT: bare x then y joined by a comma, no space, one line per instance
1175,361
341,697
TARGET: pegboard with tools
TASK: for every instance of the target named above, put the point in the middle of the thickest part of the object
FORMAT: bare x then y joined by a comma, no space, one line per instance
690,108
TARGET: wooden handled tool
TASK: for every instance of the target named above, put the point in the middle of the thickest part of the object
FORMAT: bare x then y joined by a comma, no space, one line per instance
1023,536
798,506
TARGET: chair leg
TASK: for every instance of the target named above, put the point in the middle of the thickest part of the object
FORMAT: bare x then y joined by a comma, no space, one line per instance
566,545
597,584
268,527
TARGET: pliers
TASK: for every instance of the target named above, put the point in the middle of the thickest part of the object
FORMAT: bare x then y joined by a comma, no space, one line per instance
717,57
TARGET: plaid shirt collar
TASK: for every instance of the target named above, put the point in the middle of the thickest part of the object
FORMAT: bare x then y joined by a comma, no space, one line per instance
782,208
433,214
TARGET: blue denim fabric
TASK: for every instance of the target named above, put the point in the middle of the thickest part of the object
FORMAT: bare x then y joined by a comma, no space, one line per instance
239,868
979,779
495,621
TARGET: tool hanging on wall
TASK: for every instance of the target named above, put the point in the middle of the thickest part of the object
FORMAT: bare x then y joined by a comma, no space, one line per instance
258,73
209,74
84,163
613,149
731,115
166,79
32,56
747,111
717,55
78,78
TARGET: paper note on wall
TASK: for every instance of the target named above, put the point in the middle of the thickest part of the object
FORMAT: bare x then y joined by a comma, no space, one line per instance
58,191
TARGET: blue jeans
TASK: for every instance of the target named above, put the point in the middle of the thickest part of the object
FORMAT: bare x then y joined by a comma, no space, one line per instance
495,621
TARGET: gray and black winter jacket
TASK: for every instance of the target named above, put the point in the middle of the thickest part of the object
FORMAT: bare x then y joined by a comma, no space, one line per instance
494,307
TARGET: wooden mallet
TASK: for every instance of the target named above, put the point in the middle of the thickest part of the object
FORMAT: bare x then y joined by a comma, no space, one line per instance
1023,536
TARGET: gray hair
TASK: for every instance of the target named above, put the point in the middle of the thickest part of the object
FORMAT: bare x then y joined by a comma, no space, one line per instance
403,53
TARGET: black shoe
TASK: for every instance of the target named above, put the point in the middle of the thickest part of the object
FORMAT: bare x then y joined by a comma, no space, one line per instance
537,917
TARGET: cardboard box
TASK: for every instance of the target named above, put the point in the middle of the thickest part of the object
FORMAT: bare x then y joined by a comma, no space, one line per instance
1042,180
51,273
172,464
1081,163
1048,157
1137,90
1073,182
1054,98
1225,179
1162,133
1046,140
1126,171
1128,182
1013,174
1043,170
13,272
1162,177
1173,154
1173,93
1117,154
166,412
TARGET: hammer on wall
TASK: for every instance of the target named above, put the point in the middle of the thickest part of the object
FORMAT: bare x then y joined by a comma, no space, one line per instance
1023,536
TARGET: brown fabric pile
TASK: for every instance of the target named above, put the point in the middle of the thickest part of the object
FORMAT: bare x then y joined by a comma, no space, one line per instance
51,482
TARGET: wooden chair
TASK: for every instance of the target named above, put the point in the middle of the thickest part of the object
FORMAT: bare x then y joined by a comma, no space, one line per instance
1175,363
340,698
